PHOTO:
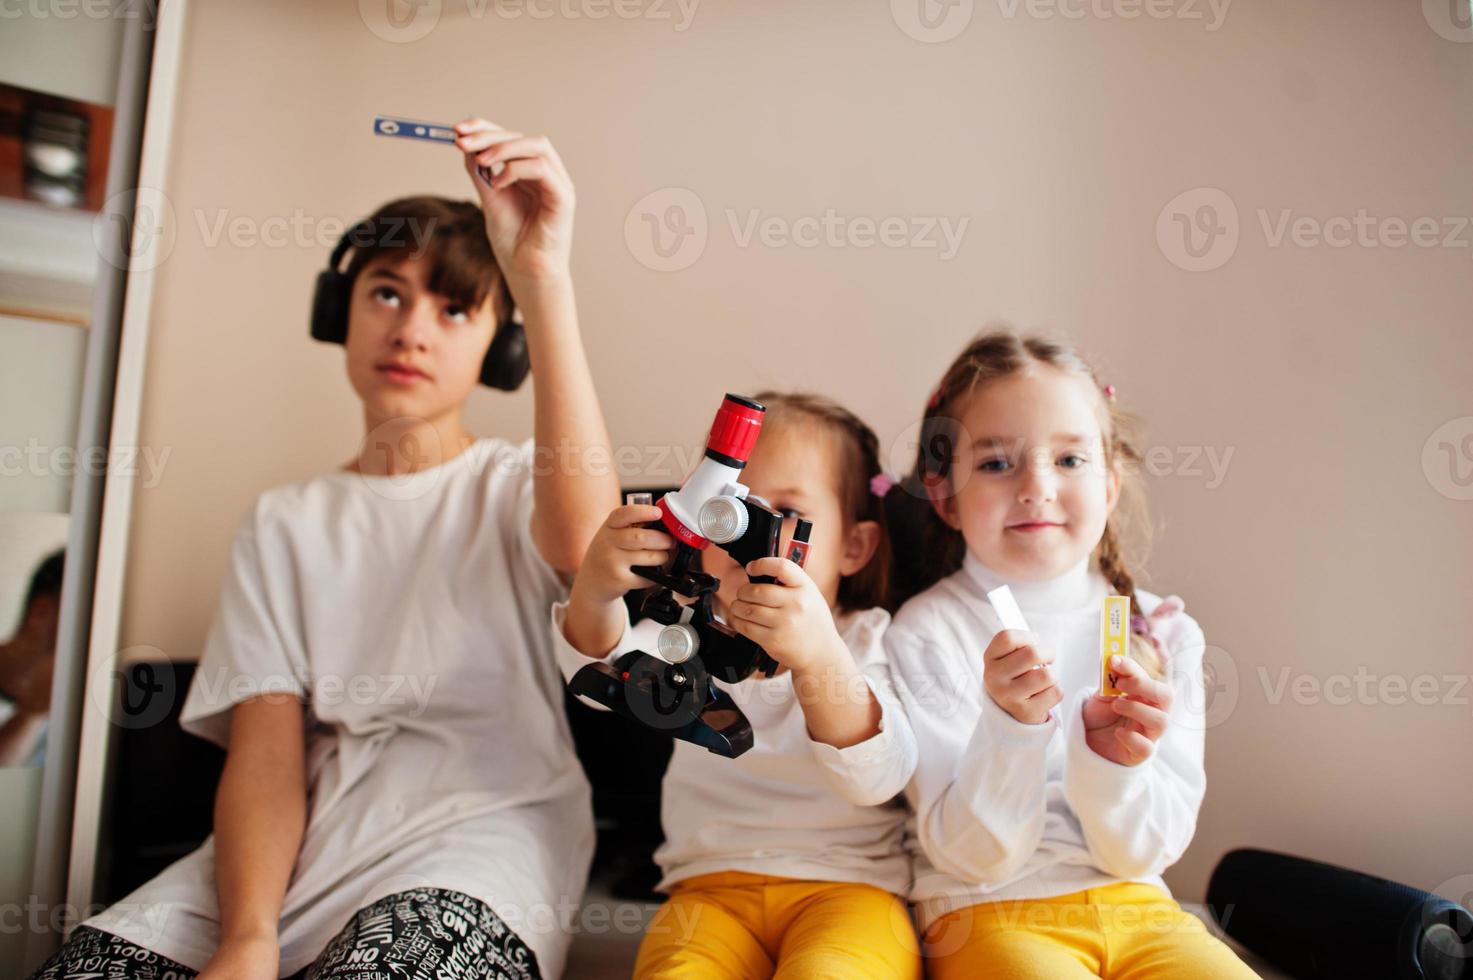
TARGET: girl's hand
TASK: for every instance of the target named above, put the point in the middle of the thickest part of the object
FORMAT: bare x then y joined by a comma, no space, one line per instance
620,543
528,204
1125,729
789,618
1018,677
248,958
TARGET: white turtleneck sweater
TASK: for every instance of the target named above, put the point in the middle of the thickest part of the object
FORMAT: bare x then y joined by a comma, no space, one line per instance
1008,810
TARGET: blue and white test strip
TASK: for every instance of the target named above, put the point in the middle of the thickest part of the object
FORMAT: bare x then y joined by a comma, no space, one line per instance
411,129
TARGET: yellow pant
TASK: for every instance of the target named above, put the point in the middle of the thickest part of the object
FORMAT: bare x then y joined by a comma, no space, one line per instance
1124,931
738,925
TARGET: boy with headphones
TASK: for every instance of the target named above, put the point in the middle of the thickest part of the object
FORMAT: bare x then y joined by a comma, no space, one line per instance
400,795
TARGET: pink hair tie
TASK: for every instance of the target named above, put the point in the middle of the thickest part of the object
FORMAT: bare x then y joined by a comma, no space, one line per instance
880,484
1109,391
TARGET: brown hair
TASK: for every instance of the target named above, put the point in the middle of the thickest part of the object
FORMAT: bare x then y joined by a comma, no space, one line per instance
451,235
999,354
857,461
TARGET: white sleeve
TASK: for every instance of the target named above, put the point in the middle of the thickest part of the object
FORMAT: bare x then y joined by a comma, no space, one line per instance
978,790
640,636
569,660
254,646
876,770
1138,820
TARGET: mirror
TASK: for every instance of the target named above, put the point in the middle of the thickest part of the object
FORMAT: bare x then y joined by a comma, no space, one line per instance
56,128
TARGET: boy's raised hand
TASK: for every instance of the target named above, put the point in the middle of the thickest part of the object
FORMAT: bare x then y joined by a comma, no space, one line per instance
528,203
1018,676
1125,729
789,618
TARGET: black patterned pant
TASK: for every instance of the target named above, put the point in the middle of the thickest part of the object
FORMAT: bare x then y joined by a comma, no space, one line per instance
421,934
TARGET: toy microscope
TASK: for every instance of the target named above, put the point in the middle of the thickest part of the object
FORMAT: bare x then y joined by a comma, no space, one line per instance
669,687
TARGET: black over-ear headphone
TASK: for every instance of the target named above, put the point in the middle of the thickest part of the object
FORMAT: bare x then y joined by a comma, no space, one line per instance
507,362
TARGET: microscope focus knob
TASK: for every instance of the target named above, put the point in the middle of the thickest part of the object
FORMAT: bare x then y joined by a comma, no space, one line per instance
723,519
677,643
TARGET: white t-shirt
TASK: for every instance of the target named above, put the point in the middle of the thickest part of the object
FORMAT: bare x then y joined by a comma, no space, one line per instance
789,806
1008,810
410,614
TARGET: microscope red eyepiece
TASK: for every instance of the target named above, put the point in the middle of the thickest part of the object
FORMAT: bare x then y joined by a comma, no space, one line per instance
734,431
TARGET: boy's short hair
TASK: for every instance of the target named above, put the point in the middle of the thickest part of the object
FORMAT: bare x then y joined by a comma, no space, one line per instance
449,235
46,580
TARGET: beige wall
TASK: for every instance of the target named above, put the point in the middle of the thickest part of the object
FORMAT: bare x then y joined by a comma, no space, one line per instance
1325,546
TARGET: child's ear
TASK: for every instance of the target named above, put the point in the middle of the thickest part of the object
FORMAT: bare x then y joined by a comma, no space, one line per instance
859,547
943,501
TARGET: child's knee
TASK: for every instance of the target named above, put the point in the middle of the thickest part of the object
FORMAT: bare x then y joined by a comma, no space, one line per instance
861,963
693,939
859,932
1007,954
